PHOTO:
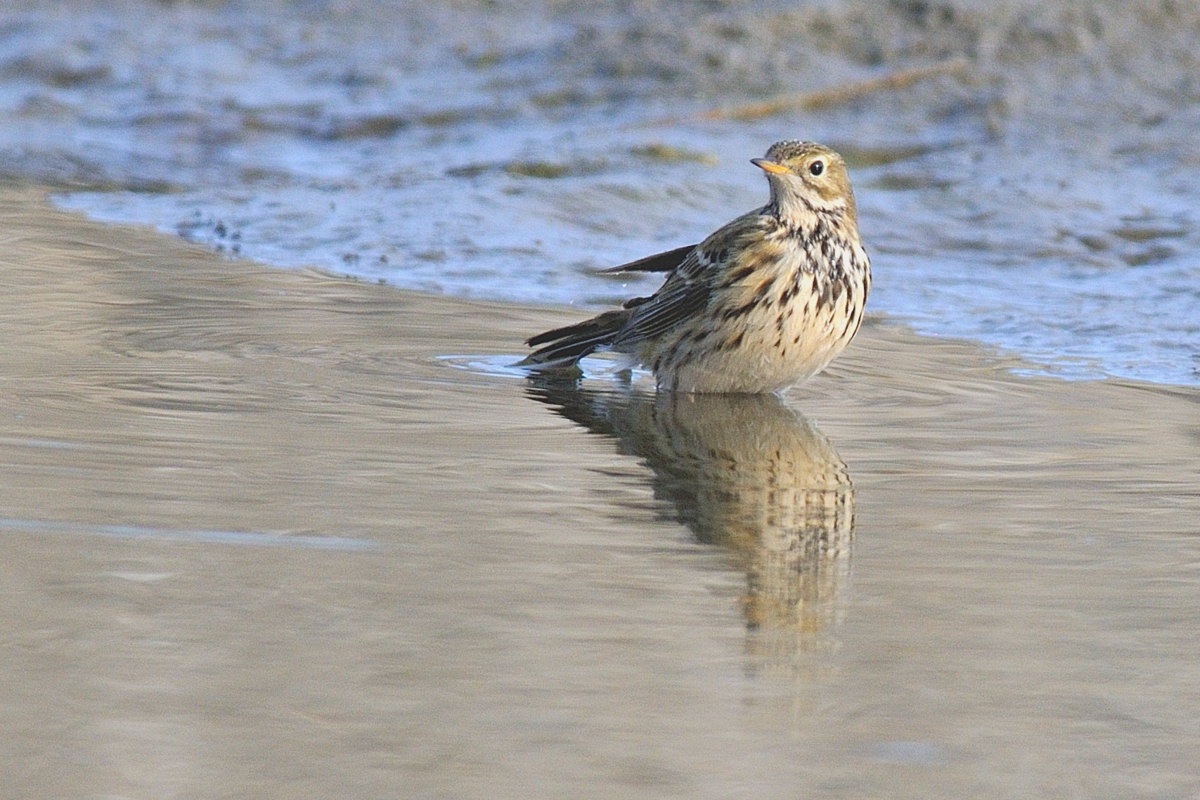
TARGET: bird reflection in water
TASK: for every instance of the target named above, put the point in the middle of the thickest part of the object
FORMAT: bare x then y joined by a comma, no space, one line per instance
746,473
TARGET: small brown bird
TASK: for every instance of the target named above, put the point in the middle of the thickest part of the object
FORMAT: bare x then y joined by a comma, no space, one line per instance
766,301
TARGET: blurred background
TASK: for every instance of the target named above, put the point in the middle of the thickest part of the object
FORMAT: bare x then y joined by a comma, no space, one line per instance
1027,171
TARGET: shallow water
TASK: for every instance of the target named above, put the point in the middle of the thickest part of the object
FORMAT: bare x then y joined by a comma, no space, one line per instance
265,534
1036,189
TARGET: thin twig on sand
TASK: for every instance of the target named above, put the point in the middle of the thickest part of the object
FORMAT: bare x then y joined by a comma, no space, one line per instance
808,101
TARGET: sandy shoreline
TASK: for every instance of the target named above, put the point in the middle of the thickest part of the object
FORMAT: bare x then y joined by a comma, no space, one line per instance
921,563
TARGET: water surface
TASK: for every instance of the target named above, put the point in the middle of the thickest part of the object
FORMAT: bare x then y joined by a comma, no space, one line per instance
262,538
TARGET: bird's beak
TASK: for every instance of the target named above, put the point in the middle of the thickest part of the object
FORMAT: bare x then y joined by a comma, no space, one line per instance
766,165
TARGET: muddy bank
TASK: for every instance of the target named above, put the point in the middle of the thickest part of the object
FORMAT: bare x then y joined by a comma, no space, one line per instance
1024,169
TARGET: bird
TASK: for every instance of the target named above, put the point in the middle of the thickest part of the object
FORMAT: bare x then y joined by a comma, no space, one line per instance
767,300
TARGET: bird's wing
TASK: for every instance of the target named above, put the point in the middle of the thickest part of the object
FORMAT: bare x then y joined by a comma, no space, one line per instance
659,262
678,299
689,286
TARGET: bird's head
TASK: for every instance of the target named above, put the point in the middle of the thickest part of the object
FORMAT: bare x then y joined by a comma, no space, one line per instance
807,177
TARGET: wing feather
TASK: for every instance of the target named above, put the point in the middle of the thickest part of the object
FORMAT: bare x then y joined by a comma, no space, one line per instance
689,287
659,262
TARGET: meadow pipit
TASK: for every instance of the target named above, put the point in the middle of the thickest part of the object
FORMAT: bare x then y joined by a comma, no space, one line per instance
767,300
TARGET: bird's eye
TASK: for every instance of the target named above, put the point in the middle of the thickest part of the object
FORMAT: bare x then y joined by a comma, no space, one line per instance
816,167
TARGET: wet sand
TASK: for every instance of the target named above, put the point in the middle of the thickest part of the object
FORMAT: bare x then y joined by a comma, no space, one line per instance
262,539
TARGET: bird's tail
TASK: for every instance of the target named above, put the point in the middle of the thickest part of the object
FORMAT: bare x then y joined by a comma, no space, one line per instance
563,347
